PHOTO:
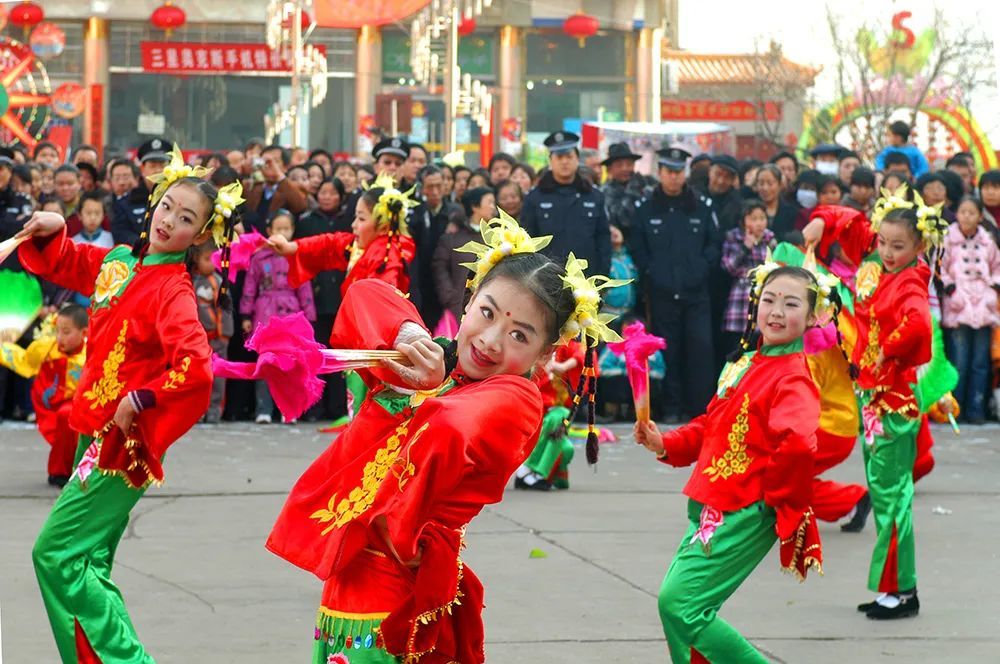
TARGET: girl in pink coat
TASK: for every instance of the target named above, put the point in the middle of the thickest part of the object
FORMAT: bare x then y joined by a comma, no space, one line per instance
970,272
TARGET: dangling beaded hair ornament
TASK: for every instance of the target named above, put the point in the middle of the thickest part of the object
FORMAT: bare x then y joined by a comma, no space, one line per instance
220,223
503,237
828,301
390,212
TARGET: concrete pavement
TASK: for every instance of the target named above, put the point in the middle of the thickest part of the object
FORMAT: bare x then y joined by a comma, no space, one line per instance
202,589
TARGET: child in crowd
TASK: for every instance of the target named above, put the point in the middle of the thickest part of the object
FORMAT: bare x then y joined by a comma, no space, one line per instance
862,193
216,319
752,483
621,300
55,360
92,219
989,193
269,291
744,249
970,273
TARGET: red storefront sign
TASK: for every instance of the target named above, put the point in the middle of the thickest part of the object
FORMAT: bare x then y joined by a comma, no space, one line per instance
198,58
97,117
733,111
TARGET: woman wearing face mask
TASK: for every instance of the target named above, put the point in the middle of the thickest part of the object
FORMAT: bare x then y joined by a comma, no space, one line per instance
780,213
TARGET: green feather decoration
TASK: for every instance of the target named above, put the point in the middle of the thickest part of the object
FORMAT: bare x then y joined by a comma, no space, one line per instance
938,377
20,300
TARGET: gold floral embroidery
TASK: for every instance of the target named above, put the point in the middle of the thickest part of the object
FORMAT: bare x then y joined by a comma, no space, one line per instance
735,461
870,356
109,387
867,279
896,334
361,498
732,373
113,276
177,378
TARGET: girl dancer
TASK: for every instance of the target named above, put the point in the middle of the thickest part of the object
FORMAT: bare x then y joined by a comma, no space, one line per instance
752,483
379,247
894,339
380,516
147,380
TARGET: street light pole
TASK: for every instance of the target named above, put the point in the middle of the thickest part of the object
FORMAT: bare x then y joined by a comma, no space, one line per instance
296,68
451,82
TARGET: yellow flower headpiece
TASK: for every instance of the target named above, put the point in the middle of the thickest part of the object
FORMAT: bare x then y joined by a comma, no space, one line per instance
930,223
759,274
501,237
381,212
228,199
586,319
826,284
174,171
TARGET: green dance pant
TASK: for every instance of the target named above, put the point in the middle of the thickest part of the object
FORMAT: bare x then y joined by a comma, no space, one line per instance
553,451
73,556
697,584
889,469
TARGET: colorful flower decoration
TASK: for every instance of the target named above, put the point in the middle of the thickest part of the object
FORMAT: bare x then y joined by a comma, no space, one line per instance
381,212
586,319
930,223
501,237
175,170
760,273
228,199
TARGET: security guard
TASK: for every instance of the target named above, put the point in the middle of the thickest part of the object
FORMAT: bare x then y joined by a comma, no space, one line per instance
15,207
569,208
389,155
675,246
129,211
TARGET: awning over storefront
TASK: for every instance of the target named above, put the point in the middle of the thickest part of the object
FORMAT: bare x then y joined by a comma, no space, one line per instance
646,138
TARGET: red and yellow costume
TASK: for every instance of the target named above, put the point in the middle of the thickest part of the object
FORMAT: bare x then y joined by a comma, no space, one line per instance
56,376
753,452
894,319
380,515
145,344
385,259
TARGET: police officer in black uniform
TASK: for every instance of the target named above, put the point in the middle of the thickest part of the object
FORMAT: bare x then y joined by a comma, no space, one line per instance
128,211
569,208
675,245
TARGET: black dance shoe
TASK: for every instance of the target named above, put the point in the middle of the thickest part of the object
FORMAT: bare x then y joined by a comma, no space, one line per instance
908,606
857,522
541,484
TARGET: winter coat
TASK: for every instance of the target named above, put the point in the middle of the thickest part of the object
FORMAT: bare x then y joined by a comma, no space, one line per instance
267,293
675,244
970,271
621,200
573,214
325,285
449,274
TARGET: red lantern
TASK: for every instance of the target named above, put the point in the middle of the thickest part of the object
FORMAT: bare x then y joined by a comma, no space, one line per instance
26,15
581,26
466,27
305,22
168,17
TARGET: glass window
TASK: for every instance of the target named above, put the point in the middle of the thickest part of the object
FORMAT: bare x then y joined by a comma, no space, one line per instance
220,112
551,53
